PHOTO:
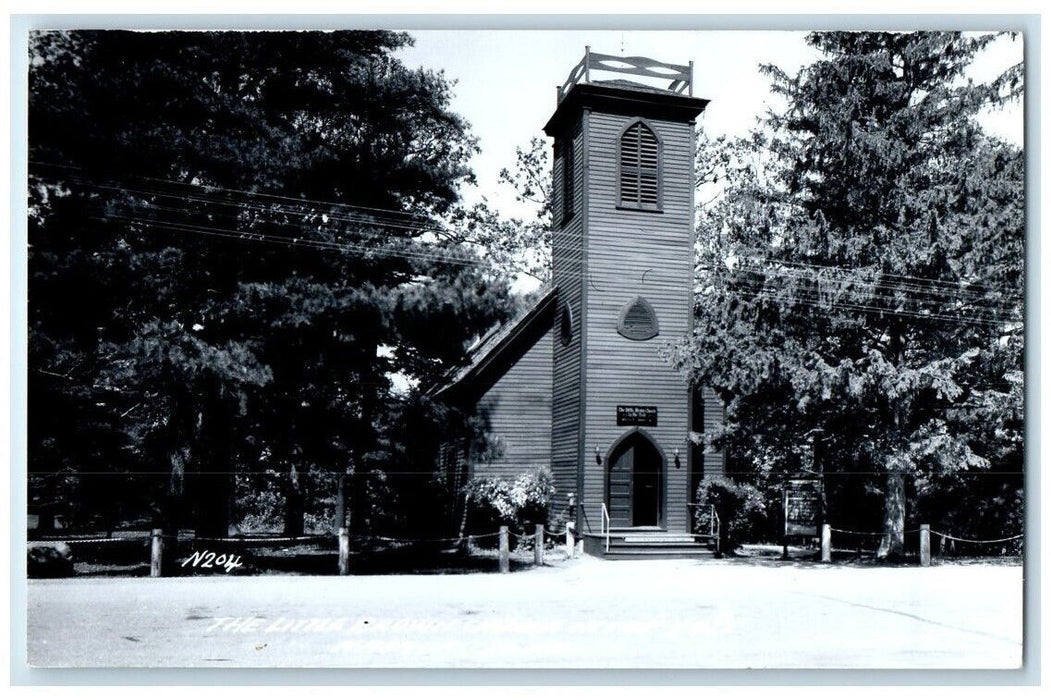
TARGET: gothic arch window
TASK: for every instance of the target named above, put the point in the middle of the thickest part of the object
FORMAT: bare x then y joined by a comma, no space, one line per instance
638,320
639,168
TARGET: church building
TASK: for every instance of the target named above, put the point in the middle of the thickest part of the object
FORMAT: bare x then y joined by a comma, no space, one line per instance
579,381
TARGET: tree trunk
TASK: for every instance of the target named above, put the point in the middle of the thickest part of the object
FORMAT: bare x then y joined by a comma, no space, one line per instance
364,439
173,508
358,499
341,501
293,504
892,546
214,491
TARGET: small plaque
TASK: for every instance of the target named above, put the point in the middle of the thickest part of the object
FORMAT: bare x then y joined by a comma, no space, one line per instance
637,415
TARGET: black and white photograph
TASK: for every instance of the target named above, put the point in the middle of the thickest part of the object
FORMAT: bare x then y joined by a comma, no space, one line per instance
361,347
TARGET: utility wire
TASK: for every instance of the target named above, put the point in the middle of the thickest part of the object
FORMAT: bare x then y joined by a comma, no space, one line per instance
885,292
931,291
421,224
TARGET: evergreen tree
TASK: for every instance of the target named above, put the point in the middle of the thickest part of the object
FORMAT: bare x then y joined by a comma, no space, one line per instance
860,288
230,254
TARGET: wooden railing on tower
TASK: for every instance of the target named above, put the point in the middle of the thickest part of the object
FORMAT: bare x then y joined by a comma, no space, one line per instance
681,76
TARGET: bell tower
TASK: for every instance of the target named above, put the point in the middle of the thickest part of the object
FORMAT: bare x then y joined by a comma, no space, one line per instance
623,266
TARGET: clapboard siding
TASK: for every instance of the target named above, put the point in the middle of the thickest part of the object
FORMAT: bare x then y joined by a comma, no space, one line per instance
517,413
568,274
638,253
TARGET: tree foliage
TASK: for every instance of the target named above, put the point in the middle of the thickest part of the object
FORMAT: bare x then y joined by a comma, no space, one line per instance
519,246
229,255
860,284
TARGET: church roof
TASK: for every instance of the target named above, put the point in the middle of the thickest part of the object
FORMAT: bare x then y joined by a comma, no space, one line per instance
500,342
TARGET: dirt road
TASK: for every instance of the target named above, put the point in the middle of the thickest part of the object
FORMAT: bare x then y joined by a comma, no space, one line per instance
582,614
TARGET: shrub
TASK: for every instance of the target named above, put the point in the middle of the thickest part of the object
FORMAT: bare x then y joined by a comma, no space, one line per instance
741,509
495,501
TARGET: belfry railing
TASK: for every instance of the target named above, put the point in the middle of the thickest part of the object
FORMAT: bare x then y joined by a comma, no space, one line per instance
681,77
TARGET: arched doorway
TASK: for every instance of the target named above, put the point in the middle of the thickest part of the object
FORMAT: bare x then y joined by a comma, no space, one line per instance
634,482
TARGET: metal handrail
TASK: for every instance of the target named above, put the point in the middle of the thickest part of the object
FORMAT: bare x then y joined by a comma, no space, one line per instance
605,525
715,527
714,524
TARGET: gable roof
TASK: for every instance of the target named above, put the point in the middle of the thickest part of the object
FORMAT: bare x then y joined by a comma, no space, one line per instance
501,346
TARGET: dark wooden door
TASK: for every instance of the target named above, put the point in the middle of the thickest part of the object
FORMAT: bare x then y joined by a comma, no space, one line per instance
634,483
646,485
621,467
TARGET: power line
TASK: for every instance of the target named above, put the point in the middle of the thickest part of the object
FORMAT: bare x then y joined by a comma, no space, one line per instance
931,287
887,291
249,193
817,301
757,292
856,270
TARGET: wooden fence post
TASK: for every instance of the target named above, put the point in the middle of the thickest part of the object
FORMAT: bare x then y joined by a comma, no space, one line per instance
156,552
505,560
925,545
538,546
571,546
826,543
344,551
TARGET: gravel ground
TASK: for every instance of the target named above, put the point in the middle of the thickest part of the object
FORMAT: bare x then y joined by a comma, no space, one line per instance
584,613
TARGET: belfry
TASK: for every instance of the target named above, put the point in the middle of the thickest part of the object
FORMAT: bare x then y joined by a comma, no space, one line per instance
579,382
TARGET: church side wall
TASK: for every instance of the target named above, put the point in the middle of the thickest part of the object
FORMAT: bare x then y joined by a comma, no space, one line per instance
517,412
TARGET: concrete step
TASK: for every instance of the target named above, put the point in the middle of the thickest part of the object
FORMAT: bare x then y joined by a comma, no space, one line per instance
658,553
663,538
637,543
655,537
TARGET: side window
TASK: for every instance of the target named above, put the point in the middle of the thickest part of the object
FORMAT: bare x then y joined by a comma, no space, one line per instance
565,324
567,180
639,163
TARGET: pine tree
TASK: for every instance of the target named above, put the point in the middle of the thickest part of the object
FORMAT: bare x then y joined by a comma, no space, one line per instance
230,253
860,288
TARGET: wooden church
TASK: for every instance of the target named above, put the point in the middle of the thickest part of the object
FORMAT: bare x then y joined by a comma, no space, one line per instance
578,382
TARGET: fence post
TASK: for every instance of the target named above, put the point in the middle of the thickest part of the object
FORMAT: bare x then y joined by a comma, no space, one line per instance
925,545
571,546
826,543
344,551
505,561
538,546
156,553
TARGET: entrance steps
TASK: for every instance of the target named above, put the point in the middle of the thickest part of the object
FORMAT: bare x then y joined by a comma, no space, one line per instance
648,543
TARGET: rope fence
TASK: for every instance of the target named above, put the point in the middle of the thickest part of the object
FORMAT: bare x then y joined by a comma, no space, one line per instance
166,549
947,546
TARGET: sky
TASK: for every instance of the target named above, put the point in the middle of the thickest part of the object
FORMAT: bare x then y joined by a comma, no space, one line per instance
506,80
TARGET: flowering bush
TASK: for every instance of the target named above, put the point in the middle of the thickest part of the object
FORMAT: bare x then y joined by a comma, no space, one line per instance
741,509
494,501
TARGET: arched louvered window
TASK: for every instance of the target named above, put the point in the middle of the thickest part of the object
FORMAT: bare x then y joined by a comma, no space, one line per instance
640,185
638,321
